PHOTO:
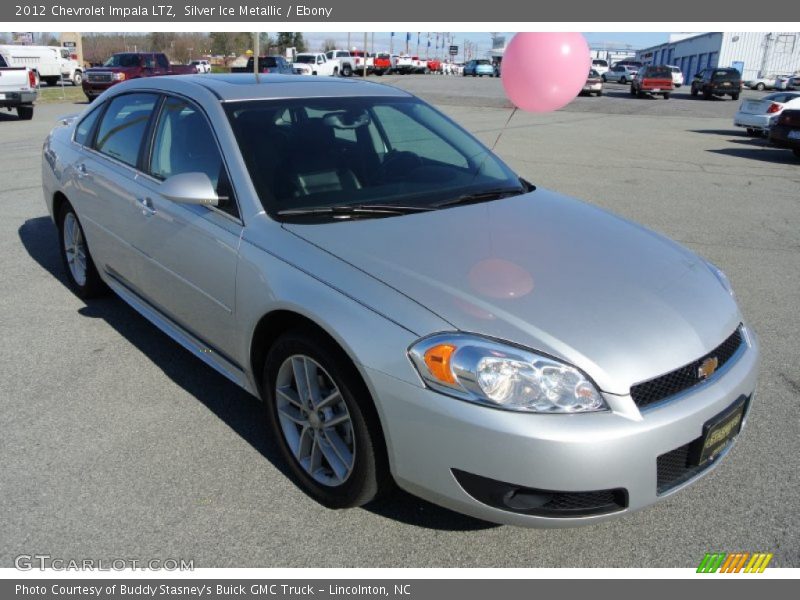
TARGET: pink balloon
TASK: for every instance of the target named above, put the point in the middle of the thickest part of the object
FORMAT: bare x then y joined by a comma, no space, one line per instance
542,72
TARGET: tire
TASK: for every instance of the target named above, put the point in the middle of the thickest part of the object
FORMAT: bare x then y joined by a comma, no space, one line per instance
603,77
51,81
25,113
75,256
600,93
760,87
90,98
623,80
707,95
347,71
666,96
77,78
750,131
632,91
352,467
796,152
734,96
694,91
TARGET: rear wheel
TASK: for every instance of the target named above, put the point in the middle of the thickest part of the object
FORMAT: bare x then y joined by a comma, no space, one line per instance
707,94
734,96
322,416
25,113
666,96
347,71
78,263
622,80
760,87
694,91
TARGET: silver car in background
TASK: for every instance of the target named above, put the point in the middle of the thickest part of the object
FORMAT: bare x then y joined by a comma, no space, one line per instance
409,309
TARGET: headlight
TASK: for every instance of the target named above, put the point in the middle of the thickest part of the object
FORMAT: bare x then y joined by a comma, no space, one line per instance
722,278
494,374
118,76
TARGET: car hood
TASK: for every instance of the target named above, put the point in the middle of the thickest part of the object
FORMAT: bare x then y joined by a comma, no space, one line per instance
549,273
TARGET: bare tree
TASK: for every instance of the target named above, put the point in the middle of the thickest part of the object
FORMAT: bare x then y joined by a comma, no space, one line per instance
328,44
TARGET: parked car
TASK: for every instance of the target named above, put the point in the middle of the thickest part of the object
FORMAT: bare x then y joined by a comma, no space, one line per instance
600,65
267,65
653,80
129,65
620,73
284,235
347,62
593,85
478,68
201,66
768,82
628,63
52,64
793,83
677,75
717,82
383,63
19,89
785,133
757,116
310,63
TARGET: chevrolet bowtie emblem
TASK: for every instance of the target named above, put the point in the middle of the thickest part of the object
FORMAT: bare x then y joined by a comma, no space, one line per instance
707,367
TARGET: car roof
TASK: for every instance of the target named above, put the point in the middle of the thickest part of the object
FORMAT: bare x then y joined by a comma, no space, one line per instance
244,86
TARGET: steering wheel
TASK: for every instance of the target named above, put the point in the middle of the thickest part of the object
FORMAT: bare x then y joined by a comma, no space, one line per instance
397,164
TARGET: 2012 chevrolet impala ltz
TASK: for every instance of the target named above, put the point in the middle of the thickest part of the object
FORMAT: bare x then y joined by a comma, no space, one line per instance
407,307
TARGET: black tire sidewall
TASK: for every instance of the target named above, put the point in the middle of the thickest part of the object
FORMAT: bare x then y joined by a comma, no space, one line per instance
93,285
370,470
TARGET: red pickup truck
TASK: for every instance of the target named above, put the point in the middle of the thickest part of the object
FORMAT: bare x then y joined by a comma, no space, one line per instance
653,80
129,65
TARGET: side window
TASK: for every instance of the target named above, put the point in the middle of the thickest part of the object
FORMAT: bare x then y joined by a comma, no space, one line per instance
162,61
147,61
184,143
123,126
2,62
84,128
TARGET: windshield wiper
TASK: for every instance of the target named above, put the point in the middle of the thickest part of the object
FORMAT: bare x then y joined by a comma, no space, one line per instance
354,210
494,194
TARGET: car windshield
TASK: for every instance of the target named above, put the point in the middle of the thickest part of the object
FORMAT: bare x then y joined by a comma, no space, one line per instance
482,62
122,60
305,59
352,152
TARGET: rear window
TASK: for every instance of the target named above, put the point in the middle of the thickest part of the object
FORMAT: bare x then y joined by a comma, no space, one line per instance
657,72
726,74
600,63
482,62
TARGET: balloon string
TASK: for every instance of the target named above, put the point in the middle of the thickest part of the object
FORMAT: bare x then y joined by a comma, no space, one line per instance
502,131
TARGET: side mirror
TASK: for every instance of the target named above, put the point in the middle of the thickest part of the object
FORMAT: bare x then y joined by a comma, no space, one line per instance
190,188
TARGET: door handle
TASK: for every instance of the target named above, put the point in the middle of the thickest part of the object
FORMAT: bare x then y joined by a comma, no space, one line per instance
148,210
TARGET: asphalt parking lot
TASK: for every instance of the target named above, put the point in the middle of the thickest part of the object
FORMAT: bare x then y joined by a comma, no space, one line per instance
117,443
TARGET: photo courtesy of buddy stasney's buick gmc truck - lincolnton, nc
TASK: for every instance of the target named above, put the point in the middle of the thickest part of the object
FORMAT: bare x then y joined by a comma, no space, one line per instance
410,310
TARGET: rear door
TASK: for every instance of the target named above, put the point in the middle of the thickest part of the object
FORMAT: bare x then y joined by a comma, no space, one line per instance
190,270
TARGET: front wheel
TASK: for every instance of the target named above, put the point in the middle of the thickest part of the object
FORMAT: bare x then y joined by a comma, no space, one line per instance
77,78
666,96
25,113
322,416
77,260
760,87
623,81
734,96
347,71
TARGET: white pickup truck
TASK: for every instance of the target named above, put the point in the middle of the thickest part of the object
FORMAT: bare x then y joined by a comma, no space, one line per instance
18,89
311,63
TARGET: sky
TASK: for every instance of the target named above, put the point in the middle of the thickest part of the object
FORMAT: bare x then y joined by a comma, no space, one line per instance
482,39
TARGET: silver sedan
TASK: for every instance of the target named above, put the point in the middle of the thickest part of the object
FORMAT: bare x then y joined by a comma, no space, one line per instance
410,310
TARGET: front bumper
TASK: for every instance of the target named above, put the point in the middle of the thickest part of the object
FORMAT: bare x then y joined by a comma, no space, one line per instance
93,89
429,436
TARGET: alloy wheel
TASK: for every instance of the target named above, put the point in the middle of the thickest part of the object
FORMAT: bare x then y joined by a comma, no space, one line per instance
75,249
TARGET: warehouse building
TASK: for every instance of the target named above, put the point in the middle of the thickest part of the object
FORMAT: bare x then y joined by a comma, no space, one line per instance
754,54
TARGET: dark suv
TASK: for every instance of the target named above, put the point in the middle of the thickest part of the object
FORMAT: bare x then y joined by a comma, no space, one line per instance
717,82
